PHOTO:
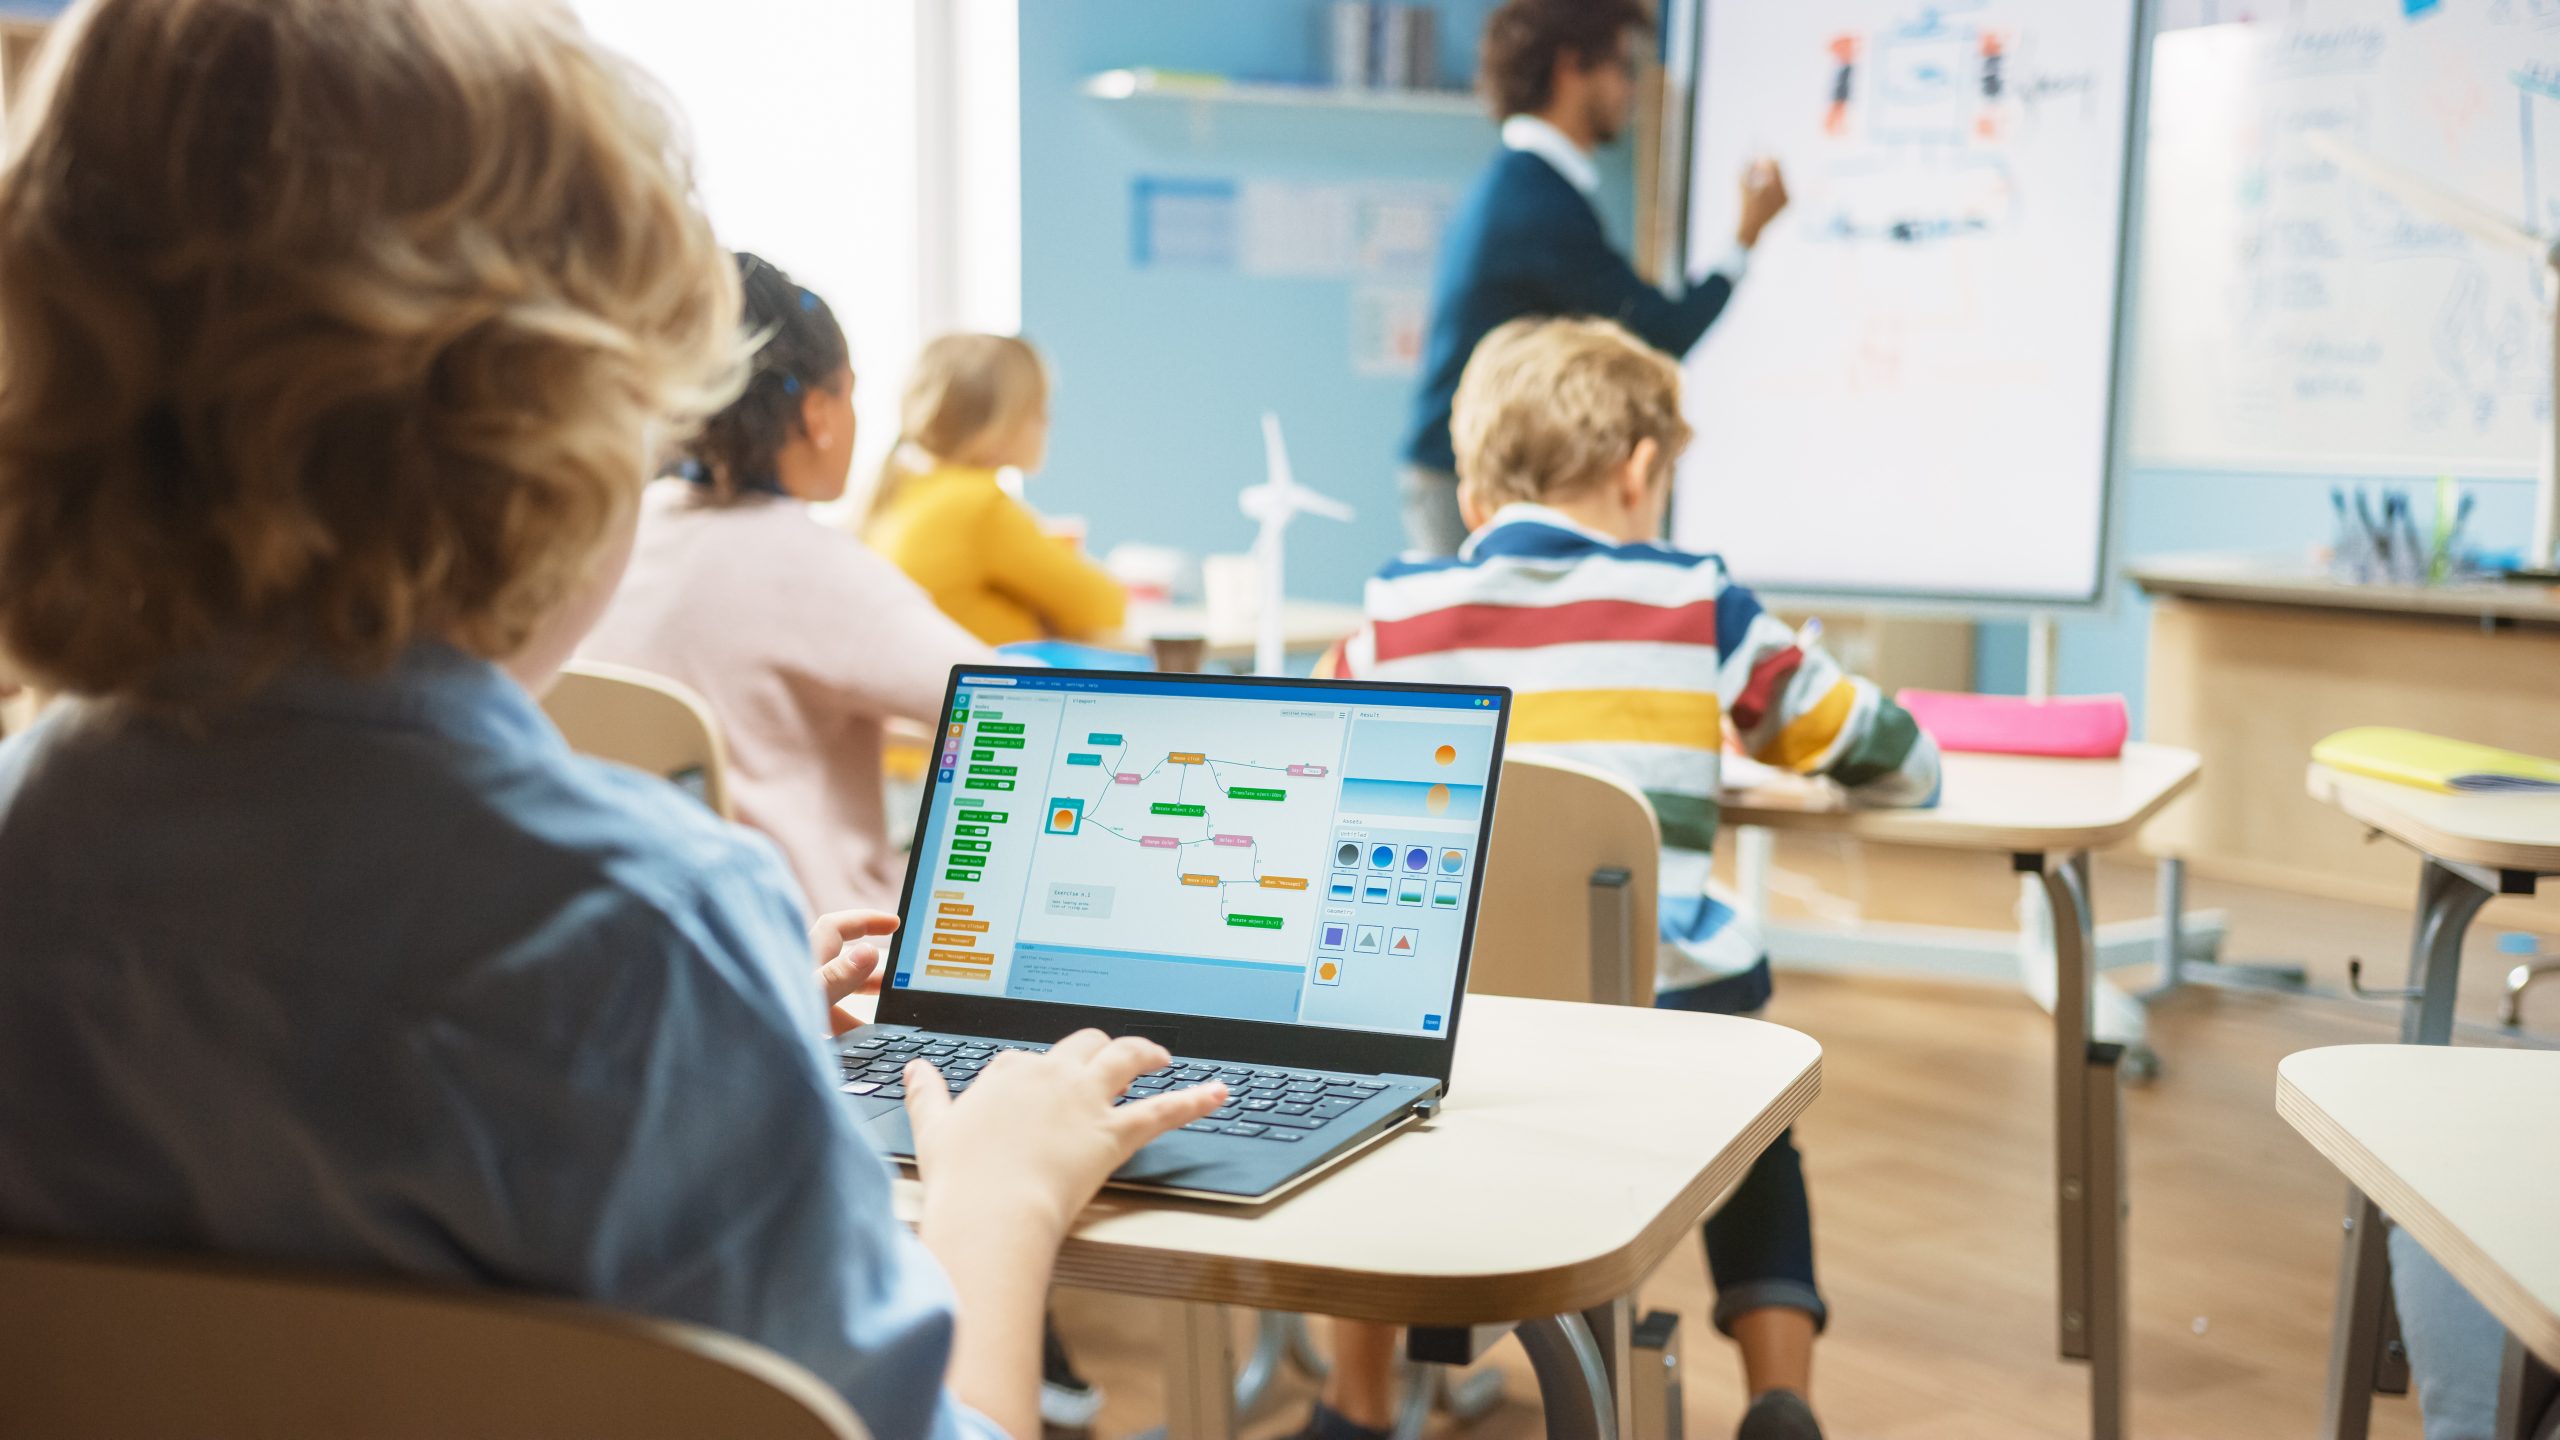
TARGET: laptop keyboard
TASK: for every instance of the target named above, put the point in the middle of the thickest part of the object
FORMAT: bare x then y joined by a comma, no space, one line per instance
1263,1102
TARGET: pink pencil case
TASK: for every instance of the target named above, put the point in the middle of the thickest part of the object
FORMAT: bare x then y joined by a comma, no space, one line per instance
2087,727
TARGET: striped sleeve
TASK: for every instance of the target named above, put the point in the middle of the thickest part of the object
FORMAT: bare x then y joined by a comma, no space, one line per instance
1791,705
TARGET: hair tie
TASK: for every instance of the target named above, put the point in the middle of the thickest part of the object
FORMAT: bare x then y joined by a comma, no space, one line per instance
790,384
808,302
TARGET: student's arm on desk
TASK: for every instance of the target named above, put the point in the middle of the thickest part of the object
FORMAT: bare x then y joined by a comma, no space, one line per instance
1074,598
1793,707
1007,1167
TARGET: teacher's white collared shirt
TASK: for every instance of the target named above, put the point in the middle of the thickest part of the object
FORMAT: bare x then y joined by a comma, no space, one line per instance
1535,136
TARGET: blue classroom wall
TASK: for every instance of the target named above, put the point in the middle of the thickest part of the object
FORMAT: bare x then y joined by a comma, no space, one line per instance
1163,374
2167,512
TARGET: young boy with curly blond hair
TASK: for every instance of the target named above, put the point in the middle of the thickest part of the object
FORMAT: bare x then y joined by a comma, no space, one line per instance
1641,660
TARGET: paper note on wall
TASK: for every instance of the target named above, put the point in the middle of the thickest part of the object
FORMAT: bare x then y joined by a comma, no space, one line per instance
1182,223
1388,323
1299,230
1340,232
1400,230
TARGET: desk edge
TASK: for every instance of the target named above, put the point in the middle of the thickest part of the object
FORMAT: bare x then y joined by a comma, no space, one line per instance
1441,1300
2325,785
1877,826
2527,1318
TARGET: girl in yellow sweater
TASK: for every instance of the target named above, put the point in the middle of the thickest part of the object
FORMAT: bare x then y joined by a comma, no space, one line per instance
978,404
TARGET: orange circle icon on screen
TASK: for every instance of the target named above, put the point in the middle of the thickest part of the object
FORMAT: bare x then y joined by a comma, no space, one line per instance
1436,800
1327,970
1063,819
1446,755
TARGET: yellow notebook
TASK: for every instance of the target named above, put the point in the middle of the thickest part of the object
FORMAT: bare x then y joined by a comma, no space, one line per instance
2432,762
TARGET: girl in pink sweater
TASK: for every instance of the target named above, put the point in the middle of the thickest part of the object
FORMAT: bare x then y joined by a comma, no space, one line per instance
803,641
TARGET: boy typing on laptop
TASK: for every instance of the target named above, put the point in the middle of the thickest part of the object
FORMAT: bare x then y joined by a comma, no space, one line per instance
1641,660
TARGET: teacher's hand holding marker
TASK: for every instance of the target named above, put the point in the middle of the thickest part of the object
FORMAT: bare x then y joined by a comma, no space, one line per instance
1764,198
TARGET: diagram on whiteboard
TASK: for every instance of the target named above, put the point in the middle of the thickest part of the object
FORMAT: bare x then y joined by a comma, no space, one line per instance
1922,115
2295,315
1213,821
1930,332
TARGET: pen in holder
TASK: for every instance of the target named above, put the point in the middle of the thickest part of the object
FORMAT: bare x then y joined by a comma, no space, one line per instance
2375,538
2351,553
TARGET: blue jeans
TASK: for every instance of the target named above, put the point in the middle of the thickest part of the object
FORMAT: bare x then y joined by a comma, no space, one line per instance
1760,1245
2455,1346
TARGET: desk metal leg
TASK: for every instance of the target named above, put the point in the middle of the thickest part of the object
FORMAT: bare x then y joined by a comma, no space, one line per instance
2360,1361
2070,1099
1613,1329
1573,1378
2391,1366
2109,1322
1280,1340
2355,1333
2447,901
1655,1390
2528,1390
1200,1374
2173,922
2089,1167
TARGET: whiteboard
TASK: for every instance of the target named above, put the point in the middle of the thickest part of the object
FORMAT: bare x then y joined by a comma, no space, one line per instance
2293,317
1913,394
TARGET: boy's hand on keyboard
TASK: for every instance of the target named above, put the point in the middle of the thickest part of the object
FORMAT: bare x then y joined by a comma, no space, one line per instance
1037,1134
840,945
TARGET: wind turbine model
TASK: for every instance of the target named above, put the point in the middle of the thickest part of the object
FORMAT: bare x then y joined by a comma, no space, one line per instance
2493,228
1272,505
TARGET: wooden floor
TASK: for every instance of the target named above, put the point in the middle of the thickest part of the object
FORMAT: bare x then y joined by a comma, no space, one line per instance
1930,1161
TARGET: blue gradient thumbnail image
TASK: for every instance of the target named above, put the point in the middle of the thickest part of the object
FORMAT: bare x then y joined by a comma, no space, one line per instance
1405,750
1413,800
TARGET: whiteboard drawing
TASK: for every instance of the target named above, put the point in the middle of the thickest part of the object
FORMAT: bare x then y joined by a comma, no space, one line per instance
1923,353
2294,318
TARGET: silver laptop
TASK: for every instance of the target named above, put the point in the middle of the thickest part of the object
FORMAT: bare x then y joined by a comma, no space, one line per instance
1274,879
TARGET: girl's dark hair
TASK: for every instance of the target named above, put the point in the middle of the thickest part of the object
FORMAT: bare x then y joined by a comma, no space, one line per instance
798,345
1523,40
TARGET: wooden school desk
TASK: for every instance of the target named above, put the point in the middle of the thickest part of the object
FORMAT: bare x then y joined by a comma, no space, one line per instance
2471,848
1579,1144
1305,625
2462,1147
2046,816
2254,659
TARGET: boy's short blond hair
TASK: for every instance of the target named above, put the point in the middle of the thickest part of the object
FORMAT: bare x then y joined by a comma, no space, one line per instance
330,326
1547,409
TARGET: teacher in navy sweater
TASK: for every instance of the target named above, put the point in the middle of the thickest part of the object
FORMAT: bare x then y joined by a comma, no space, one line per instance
1526,240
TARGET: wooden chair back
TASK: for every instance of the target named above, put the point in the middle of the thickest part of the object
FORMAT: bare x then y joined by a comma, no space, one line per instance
1569,888
96,1347
645,721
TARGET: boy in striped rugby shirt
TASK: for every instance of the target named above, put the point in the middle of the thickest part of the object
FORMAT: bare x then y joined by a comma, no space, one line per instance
1643,661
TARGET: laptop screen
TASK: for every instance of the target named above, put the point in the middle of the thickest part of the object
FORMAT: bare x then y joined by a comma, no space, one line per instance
1278,852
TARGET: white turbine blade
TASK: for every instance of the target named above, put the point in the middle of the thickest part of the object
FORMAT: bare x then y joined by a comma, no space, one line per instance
1282,497
2487,225
1322,506
1275,454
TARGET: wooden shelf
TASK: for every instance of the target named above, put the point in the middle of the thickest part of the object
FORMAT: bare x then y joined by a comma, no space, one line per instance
1144,84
